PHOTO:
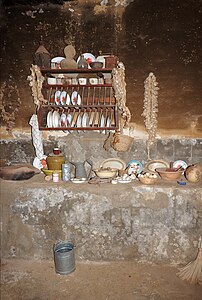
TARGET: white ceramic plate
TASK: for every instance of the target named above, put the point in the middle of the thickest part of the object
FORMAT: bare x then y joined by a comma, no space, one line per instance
79,121
57,97
85,120
56,119
75,98
180,164
63,96
89,57
124,181
108,122
63,121
102,124
113,163
57,59
134,166
69,119
50,119
154,164
77,180
68,100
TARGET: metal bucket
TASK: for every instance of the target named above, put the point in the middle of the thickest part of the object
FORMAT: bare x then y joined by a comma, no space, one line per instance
64,257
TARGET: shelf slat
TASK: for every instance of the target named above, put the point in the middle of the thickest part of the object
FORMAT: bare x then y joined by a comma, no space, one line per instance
58,71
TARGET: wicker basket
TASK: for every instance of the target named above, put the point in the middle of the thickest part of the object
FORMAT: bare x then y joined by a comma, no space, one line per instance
121,142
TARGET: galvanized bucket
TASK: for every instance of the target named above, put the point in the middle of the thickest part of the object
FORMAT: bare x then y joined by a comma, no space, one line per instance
64,257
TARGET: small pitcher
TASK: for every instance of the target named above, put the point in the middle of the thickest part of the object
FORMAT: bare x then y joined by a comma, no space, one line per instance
80,171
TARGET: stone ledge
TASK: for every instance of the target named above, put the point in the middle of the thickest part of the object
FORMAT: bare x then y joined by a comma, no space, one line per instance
106,222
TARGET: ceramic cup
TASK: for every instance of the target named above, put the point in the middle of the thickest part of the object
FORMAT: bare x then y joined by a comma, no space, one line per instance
68,81
93,80
74,81
100,81
82,81
51,80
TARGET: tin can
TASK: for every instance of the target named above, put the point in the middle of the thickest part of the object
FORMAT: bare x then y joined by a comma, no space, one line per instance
66,172
56,177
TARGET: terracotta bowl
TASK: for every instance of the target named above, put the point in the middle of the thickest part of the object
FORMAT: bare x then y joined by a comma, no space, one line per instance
169,173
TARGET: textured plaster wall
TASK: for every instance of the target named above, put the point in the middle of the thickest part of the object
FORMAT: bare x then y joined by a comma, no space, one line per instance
159,36
132,221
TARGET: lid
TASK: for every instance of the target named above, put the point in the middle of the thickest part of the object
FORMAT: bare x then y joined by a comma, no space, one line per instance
60,154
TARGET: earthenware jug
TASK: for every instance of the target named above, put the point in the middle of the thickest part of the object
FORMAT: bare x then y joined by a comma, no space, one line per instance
80,171
55,161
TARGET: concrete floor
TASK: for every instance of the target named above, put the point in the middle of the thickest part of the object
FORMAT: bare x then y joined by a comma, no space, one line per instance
37,280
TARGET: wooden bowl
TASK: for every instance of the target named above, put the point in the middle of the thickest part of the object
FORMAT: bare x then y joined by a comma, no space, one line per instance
96,65
170,173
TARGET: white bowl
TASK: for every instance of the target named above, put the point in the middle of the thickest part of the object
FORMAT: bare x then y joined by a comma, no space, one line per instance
82,81
106,173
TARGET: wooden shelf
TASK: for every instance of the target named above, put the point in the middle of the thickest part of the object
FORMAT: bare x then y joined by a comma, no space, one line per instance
61,71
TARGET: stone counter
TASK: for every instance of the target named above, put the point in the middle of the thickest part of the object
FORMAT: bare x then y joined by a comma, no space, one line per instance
106,222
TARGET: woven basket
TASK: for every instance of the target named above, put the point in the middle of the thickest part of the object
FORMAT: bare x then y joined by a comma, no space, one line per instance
121,142
146,180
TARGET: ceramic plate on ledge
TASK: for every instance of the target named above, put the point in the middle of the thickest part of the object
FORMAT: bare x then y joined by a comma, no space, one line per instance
152,165
113,163
134,166
180,164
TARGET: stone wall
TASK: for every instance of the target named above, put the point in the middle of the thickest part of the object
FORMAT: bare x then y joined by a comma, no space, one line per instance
78,147
159,223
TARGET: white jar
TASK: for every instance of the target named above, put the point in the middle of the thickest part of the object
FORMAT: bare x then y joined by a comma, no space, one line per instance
55,177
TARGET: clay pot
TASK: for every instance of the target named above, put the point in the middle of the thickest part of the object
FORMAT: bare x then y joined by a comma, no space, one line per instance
169,173
193,173
55,162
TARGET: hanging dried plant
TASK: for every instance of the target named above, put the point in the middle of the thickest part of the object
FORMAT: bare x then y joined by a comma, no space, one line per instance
119,86
150,109
36,80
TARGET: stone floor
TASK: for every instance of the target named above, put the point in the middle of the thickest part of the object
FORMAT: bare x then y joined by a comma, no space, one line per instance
37,280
